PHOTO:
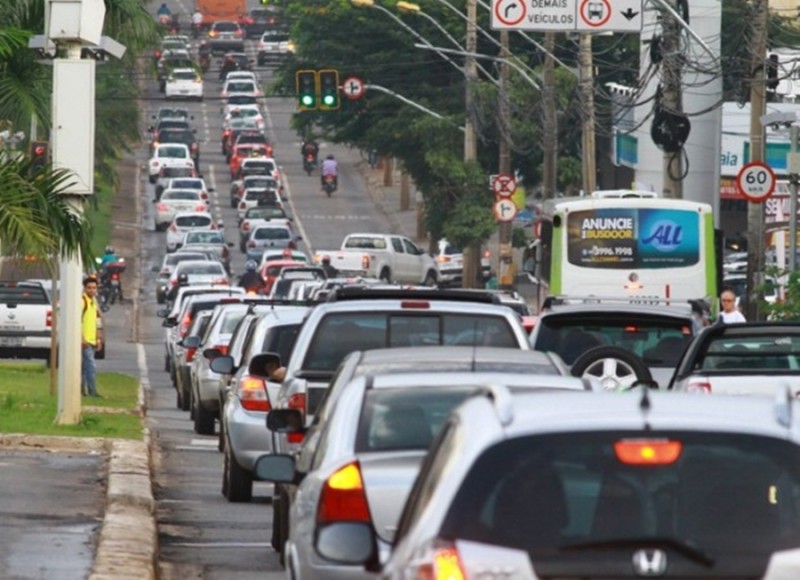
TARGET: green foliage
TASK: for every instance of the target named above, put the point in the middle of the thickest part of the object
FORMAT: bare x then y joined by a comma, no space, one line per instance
788,308
519,238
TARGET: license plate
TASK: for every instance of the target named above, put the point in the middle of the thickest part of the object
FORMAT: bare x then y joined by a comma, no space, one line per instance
11,340
12,327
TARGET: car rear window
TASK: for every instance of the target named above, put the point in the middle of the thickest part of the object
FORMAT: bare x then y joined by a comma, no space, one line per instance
192,221
341,333
271,234
779,353
178,257
263,166
179,152
280,339
187,184
205,238
201,269
572,497
659,341
175,136
241,87
405,419
184,75
181,194
20,294
259,182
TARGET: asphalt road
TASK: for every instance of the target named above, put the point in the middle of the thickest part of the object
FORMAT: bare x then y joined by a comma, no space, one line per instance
201,535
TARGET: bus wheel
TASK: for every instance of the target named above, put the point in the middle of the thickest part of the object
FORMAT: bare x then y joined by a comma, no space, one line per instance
617,369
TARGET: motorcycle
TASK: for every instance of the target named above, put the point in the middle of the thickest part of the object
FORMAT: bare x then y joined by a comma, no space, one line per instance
329,184
197,29
309,163
110,290
168,22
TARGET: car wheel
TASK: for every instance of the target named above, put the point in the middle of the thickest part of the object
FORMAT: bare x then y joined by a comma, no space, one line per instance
240,481
186,400
284,528
178,399
617,369
276,518
203,420
225,480
385,276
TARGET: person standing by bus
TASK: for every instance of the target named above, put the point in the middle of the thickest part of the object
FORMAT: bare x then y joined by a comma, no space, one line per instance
729,314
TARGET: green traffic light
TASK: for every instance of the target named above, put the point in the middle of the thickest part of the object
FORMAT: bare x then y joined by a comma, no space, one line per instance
307,100
329,100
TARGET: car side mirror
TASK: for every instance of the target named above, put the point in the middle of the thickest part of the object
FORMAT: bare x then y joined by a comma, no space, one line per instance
230,244
211,190
222,365
275,468
190,342
285,421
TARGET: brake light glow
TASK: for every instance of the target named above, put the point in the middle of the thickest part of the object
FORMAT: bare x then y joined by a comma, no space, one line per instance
415,304
190,352
245,226
487,254
343,498
699,386
445,565
442,259
252,392
201,207
365,262
162,207
631,328
49,319
185,323
297,401
251,244
647,451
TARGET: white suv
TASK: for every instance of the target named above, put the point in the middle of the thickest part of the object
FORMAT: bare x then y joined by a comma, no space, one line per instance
168,155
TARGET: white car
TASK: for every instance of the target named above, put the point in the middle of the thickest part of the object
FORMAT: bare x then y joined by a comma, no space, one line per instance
184,83
240,87
175,201
168,155
200,272
241,75
252,114
185,222
253,197
274,46
197,183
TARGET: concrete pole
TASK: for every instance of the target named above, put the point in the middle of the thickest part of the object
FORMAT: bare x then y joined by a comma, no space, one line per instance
549,121
793,179
505,252
471,253
73,148
586,81
755,211
671,100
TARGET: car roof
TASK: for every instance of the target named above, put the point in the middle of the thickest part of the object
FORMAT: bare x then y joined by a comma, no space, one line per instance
675,311
193,213
478,379
454,355
640,410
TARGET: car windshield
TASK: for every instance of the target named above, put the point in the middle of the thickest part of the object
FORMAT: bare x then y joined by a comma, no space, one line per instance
271,234
192,221
339,334
776,352
405,419
185,75
178,257
204,238
659,341
180,195
258,182
176,152
564,497
187,183
177,171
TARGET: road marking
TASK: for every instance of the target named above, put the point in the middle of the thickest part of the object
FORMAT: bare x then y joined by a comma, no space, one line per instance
334,217
259,545
193,448
205,442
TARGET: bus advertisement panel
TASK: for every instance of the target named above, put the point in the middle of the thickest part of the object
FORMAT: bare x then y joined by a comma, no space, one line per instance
625,238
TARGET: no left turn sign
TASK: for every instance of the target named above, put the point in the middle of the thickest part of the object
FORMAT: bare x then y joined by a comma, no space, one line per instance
756,181
353,88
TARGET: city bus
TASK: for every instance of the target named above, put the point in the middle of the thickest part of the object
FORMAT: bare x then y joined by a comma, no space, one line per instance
624,244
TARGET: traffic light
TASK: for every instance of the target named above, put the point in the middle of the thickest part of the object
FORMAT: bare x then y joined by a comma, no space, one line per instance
306,83
329,89
772,72
40,155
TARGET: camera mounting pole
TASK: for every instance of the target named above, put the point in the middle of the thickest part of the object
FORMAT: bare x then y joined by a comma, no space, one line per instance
73,36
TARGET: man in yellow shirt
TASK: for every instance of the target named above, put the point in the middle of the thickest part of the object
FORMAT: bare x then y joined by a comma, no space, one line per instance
91,340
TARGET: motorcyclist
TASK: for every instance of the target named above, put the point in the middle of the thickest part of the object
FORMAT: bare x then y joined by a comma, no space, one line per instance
164,10
230,64
197,22
330,167
309,147
328,268
251,280
109,255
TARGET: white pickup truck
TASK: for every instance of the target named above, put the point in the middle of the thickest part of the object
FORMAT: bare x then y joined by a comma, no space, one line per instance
388,257
26,319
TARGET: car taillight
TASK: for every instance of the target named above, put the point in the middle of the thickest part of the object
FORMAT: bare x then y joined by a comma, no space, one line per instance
251,244
155,144
190,352
245,226
699,385
212,33
487,254
48,321
185,323
242,205
297,401
221,282
162,207
213,226
442,259
204,195
238,33
252,393
415,304
365,262
442,562
115,276
201,207
173,227
343,498
647,451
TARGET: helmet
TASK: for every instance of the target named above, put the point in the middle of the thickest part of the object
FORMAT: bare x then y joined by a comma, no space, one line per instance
326,259
251,265
109,250
330,156
183,279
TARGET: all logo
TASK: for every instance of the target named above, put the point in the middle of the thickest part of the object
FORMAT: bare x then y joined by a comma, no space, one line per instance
665,236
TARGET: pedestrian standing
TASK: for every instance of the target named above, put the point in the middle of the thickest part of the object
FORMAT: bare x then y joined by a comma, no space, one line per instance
91,339
729,314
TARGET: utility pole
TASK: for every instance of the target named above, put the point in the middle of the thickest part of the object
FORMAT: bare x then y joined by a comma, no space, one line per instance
549,120
506,257
471,253
586,81
671,99
755,211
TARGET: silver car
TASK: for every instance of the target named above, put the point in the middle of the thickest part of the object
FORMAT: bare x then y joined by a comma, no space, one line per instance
560,485
248,399
174,201
185,351
371,447
213,241
167,265
202,272
185,222
270,235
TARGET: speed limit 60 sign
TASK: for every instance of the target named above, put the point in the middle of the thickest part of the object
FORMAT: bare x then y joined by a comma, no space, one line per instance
756,181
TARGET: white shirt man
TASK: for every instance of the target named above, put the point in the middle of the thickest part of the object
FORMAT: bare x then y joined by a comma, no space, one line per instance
197,18
729,313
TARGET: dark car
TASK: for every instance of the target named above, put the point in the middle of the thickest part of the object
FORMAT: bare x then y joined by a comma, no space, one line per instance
167,124
260,19
181,135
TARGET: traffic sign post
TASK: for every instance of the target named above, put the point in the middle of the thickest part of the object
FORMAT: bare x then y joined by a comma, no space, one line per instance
568,15
353,88
756,181
504,185
504,210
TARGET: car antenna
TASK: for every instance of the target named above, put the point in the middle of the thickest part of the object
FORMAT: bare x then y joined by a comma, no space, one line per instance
645,406
474,345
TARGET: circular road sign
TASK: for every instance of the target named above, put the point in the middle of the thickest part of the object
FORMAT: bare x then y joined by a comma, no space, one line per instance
504,210
509,12
756,181
353,88
504,185
595,13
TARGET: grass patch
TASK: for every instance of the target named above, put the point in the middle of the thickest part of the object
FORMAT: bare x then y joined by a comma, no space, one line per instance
26,405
